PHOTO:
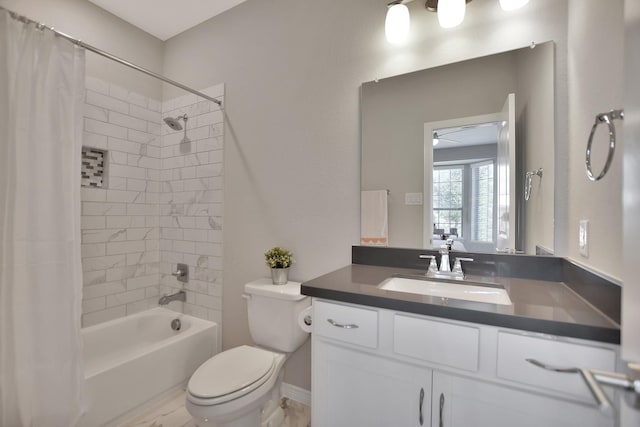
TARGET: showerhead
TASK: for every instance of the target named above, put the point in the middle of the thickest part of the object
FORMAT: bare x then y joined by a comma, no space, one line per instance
173,123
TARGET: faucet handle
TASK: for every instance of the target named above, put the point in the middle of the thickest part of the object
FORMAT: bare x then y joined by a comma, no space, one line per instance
457,265
433,267
181,273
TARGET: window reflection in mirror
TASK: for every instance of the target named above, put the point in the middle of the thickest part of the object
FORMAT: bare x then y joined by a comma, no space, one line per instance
464,194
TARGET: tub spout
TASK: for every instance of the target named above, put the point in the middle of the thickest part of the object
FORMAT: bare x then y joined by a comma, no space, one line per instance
178,296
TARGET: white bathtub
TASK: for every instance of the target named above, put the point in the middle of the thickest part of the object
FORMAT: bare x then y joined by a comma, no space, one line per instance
135,360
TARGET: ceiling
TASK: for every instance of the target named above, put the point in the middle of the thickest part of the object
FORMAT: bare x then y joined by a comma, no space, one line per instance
464,136
165,18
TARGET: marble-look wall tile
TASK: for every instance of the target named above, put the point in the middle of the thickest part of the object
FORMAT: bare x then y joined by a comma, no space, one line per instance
121,273
191,203
162,204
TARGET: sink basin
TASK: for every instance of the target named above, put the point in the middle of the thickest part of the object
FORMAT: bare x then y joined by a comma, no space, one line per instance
477,292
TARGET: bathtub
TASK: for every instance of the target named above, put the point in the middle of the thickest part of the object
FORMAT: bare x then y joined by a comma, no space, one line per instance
136,360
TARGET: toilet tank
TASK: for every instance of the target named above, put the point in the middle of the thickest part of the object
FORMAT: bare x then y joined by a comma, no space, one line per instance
273,314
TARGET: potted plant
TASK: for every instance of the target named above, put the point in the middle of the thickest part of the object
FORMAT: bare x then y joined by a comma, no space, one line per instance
279,259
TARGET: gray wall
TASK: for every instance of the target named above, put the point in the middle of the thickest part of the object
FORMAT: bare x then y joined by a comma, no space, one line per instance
292,72
595,74
97,27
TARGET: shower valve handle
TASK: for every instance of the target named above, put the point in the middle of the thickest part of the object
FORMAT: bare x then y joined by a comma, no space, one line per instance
181,273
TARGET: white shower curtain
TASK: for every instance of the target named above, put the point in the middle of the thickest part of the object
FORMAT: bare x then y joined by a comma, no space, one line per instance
41,90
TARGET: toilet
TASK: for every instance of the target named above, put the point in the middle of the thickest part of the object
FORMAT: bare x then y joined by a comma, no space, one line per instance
240,387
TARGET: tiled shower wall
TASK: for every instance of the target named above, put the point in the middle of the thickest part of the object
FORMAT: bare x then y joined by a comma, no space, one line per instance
191,203
151,179
120,234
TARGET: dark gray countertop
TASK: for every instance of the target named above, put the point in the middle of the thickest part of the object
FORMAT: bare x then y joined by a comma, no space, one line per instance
538,305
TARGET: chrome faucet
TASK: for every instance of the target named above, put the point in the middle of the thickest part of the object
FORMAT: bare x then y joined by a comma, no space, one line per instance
444,259
457,266
445,271
433,267
178,296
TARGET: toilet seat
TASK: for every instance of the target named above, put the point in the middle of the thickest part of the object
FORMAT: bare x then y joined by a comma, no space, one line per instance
230,375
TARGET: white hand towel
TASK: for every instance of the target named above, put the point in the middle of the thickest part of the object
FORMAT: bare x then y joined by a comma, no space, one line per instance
374,218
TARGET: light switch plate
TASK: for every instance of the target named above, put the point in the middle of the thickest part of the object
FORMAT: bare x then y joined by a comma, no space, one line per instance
583,238
413,198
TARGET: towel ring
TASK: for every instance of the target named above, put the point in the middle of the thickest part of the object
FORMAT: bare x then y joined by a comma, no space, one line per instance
608,119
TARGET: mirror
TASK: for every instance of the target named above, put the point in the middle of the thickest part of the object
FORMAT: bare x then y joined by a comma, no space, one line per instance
401,115
468,193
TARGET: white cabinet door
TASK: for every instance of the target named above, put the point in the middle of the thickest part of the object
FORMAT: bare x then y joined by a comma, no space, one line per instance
463,402
352,388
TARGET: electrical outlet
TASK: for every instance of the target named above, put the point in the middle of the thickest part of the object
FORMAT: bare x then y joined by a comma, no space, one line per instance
583,238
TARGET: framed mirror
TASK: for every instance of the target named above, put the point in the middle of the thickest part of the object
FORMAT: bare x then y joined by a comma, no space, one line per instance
437,194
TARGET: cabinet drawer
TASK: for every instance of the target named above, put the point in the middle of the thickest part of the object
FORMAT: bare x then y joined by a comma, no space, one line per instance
438,342
514,349
346,323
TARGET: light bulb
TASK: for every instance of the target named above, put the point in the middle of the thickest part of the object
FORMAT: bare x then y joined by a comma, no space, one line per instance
512,4
396,25
451,12
435,139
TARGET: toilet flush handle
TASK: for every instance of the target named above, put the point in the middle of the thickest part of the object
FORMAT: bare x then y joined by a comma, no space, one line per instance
246,296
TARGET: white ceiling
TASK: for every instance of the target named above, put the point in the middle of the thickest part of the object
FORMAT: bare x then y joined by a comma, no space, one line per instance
485,133
165,18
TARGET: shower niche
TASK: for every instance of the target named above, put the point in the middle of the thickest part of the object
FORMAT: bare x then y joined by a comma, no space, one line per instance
94,166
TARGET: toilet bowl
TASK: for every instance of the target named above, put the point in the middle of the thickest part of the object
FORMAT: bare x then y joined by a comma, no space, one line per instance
231,388
240,387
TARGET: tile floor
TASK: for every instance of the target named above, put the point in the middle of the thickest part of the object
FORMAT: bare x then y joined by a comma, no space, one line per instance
172,413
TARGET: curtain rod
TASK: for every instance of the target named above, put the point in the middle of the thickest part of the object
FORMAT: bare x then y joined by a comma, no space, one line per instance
101,52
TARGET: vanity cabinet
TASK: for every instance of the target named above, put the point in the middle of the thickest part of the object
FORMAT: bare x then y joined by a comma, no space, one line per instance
378,367
352,388
462,402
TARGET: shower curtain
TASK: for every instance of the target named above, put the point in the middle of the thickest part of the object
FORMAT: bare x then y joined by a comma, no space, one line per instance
41,101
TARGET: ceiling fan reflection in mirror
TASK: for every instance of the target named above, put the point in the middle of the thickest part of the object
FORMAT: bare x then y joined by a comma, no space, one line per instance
476,134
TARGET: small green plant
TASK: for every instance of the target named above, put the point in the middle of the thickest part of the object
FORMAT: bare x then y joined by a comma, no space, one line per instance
279,258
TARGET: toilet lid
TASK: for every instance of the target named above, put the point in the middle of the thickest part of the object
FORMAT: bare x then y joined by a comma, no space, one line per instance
238,369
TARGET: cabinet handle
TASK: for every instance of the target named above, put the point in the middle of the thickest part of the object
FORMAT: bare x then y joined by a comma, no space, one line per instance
340,325
420,416
563,369
441,423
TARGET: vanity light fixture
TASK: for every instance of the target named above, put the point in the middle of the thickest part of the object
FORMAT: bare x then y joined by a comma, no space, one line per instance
509,5
397,23
450,14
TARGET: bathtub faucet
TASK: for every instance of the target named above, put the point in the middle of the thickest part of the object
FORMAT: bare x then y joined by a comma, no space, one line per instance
178,296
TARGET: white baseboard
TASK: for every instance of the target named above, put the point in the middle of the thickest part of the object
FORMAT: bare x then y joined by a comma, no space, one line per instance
296,393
